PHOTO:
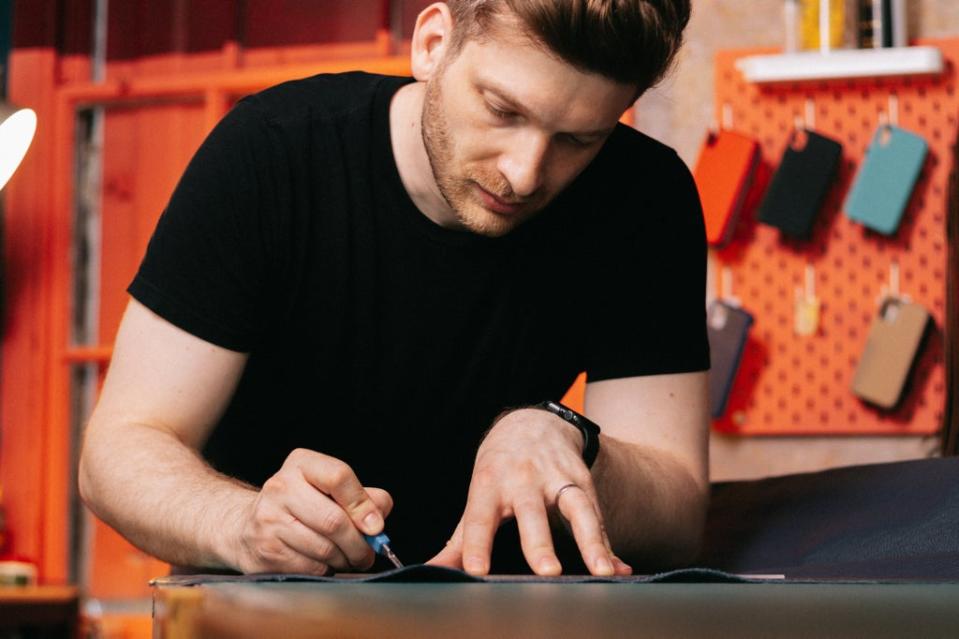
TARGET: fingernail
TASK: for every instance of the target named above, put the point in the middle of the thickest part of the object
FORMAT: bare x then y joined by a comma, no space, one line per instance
475,565
550,566
373,522
603,566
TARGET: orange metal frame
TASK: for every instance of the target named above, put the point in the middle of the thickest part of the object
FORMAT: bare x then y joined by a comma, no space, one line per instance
35,465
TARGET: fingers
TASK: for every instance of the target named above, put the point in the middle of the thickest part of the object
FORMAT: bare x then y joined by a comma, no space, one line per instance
382,499
622,568
480,521
314,548
319,509
535,536
352,507
452,554
578,509
336,479
344,547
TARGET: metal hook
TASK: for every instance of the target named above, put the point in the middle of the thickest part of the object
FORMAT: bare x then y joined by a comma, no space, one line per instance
726,282
727,116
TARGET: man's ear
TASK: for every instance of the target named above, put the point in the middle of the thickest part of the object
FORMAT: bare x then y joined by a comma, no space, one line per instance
431,39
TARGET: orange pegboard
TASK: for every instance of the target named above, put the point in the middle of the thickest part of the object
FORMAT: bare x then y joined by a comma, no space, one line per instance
789,384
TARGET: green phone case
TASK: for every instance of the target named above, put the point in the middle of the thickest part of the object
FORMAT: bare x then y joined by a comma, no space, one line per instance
886,178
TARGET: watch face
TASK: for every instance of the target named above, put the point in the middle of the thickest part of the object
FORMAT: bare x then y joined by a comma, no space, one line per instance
589,429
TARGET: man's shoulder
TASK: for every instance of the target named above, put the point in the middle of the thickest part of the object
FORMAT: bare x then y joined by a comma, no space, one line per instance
630,149
638,183
326,95
634,167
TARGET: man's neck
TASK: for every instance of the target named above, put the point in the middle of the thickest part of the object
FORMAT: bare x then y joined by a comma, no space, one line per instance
410,155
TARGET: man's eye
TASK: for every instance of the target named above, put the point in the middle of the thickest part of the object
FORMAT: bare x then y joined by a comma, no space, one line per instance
499,113
575,141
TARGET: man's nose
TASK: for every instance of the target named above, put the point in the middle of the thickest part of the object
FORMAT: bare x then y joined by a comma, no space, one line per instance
523,163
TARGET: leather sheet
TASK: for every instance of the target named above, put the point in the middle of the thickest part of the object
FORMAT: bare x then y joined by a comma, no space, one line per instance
422,573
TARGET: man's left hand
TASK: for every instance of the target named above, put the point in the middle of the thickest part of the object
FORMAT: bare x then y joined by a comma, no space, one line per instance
529,465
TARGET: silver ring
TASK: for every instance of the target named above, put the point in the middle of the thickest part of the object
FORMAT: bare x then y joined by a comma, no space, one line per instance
563,489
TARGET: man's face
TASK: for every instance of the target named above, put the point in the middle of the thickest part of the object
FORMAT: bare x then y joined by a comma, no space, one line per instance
507,126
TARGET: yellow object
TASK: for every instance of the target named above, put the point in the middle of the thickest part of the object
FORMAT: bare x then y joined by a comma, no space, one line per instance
807,306
809,24
806,321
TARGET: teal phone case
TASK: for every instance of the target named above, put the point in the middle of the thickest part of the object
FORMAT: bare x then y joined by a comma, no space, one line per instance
886,178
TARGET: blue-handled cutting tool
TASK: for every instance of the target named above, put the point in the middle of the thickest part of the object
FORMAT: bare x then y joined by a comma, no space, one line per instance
381,546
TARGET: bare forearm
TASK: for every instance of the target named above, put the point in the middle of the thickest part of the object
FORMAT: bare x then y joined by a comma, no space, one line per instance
160,495
653,507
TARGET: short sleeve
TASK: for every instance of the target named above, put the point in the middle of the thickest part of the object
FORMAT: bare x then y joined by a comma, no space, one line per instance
646,303
206,267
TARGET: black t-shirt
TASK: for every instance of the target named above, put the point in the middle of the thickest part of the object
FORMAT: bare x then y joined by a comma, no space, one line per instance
384,340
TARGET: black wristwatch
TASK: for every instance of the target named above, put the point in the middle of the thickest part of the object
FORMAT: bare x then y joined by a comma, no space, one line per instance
586,426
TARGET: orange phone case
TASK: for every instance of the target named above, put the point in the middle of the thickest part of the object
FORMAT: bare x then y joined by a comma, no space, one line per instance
723,173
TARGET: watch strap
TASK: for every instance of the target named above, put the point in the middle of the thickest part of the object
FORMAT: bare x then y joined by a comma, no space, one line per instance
586,426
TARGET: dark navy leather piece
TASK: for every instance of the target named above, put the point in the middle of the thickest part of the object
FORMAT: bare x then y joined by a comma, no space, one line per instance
421,573
886,522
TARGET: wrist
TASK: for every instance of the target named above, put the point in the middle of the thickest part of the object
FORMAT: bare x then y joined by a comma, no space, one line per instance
589,430
226,547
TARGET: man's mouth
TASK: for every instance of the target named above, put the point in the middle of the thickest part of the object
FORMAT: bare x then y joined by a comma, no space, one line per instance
495,204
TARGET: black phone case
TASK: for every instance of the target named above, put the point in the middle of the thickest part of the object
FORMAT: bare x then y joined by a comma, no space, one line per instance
727,327
800,184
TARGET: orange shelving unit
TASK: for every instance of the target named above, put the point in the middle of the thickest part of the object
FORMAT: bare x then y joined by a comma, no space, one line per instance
790,384
171,74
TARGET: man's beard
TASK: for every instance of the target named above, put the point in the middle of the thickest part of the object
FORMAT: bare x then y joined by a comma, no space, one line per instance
458,191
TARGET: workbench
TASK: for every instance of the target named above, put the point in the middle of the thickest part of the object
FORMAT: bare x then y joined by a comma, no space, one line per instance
554,609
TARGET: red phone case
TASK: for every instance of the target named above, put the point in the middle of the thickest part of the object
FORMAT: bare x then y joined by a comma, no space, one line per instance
723,173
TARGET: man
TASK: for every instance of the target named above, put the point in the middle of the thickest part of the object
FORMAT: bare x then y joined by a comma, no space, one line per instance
360,281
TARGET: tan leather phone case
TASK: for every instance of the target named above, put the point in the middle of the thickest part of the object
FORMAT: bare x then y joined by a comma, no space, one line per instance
894,342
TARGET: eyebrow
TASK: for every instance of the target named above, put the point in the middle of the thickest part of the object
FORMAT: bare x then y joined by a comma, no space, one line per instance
513,103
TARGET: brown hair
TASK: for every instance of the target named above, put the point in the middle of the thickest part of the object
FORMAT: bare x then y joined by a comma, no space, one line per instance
629,41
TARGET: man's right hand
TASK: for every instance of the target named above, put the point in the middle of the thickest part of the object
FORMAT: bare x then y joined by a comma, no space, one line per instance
310,517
